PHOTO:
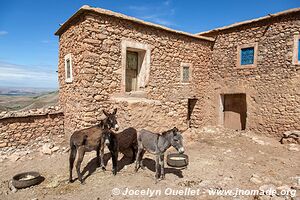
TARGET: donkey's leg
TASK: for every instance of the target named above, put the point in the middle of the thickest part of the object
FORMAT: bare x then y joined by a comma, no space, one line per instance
157,168
162,166
114,156
141,159
81,153
98,156
102,156
133,148
73,152
137,160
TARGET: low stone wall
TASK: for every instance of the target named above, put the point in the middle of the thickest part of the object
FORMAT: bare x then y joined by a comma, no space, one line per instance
30,129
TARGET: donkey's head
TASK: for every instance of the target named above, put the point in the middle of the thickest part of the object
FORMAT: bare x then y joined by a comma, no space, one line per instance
111,120
176,140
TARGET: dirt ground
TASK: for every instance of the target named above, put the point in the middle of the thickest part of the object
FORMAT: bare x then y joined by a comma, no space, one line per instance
218,159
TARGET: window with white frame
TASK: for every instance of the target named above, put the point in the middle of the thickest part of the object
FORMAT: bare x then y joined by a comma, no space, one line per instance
296,53
68,68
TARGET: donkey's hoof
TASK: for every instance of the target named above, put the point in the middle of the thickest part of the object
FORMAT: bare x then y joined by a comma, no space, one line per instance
82,182
114,172
71,181
103,168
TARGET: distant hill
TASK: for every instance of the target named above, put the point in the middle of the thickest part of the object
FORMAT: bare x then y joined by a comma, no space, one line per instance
20,100
22,91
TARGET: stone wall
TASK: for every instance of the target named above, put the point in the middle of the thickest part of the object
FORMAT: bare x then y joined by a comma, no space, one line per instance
30,129
95,43
272,87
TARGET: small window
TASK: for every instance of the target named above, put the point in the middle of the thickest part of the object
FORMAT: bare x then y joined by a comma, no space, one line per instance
68,68
185,72
247,56
298,50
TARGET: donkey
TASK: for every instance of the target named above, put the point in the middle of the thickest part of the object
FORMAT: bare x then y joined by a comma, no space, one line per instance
157,144
90,139
127,142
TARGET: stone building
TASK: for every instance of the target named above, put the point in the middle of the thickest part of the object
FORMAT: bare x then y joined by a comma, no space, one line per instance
244,76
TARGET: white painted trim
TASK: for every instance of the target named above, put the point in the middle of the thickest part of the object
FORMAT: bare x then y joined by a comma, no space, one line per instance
144,51
295,49
70,79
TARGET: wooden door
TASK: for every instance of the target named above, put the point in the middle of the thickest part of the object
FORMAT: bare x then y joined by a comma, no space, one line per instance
235,111
131,71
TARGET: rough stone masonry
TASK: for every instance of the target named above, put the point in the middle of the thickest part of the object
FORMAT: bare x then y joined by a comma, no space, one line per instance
98,41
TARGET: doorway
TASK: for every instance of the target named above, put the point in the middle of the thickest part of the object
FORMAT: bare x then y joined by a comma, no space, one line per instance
132,70
191,106
234,111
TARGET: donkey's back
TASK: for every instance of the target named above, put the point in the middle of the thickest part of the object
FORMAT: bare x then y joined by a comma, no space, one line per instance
147,140
88,137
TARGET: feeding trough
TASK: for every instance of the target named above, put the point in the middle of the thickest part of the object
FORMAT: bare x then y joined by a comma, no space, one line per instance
177,160
27,179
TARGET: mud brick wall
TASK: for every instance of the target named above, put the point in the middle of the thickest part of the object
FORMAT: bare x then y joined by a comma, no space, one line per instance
23,129
95,44
272,88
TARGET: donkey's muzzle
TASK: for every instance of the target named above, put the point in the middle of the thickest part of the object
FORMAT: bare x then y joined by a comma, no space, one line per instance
116,127
181,150
106,141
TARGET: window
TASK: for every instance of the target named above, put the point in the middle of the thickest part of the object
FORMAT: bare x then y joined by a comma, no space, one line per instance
135,66
296,53
68,68
132,70
185,73
247,56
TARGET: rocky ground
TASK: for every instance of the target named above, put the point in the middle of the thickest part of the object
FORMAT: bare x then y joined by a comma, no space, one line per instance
219,159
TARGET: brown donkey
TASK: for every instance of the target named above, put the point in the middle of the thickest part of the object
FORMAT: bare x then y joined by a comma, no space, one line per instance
91,139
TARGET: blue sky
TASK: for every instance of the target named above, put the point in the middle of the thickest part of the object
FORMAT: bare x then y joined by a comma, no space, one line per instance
29,49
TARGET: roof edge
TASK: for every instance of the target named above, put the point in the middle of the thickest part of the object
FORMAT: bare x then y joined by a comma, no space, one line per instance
102,11
234,25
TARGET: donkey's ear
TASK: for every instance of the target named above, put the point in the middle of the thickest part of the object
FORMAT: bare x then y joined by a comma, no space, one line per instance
175,130
105,113
115,111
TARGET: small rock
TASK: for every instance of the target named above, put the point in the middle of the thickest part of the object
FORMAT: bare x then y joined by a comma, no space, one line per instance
67,150
293,147
46,149
255,179
54,149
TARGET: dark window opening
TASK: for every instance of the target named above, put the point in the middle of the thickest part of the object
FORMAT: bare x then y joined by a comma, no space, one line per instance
68,68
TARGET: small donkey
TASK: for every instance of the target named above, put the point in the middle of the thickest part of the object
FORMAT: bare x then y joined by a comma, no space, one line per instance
90,139
157,144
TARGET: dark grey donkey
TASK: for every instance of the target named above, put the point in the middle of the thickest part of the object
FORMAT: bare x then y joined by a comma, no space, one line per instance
157,144
90,139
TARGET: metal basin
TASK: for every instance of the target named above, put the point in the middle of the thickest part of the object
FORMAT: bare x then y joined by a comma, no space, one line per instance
177,160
